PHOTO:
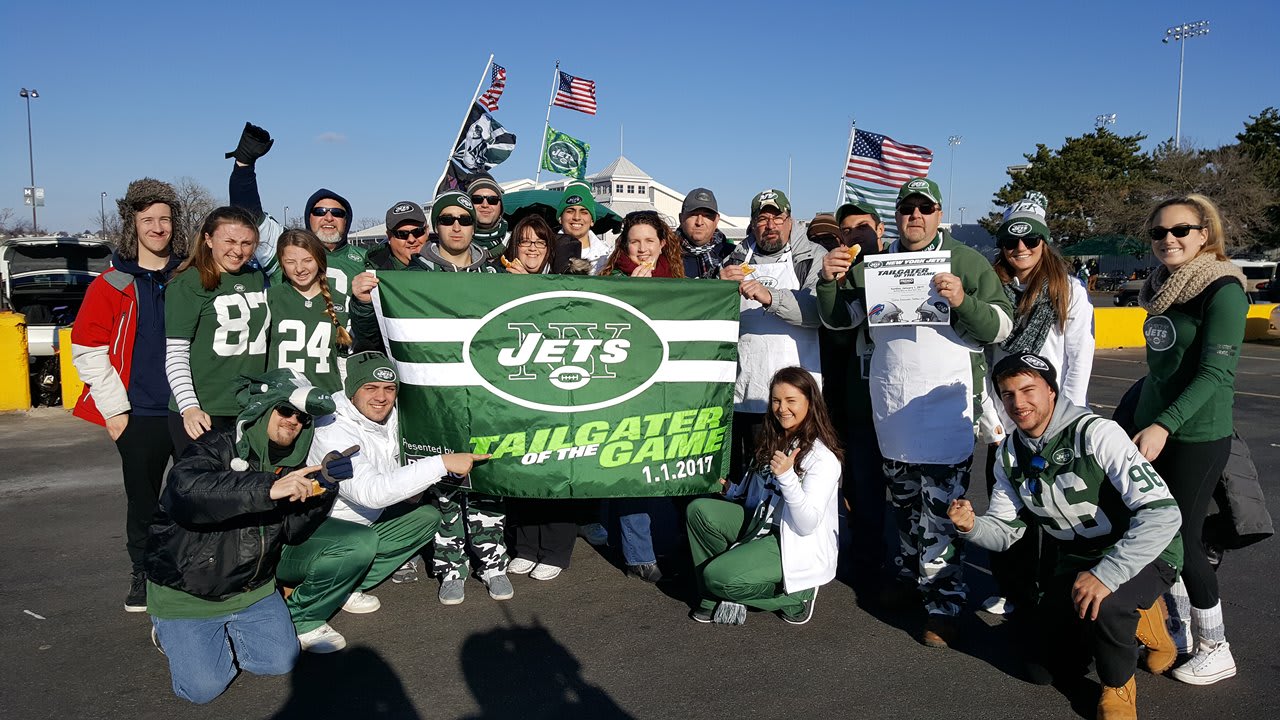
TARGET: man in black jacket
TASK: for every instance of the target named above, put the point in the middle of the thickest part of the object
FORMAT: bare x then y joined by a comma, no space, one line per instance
230,504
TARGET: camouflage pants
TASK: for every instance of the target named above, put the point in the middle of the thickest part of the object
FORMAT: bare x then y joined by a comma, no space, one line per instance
929,554
469,521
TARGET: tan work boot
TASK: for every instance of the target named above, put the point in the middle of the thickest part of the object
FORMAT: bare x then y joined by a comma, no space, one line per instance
1119,703
1153,631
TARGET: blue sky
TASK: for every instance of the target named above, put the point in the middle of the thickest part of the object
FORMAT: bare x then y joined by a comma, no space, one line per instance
366,98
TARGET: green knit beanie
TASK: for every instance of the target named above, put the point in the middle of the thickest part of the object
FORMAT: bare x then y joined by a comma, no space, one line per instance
577,194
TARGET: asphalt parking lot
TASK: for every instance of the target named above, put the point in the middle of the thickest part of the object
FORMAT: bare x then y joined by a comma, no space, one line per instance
592,643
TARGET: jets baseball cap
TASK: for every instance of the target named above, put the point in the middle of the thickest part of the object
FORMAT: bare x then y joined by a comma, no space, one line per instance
405,211
699,199
857,208
920,186
766,199
1023,362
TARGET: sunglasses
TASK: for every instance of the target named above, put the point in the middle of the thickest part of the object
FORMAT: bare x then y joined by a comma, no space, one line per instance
288,411
405,234
907,209
1179,231
322,211
486,199
1038,465
1011,243
447,220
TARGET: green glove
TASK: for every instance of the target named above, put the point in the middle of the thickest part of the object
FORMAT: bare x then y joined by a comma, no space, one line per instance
254,143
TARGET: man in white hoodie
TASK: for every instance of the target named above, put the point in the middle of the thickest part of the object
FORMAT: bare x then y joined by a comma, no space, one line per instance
362,542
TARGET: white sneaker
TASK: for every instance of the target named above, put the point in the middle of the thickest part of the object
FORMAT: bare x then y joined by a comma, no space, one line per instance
1208,665
997,605
360,603
545,572
520,566
323,639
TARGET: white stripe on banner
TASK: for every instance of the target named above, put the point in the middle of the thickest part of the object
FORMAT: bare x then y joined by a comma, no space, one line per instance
463,375
460,330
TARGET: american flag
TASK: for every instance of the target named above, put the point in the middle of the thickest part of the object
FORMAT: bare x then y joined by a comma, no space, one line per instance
575,93
878,166
497,83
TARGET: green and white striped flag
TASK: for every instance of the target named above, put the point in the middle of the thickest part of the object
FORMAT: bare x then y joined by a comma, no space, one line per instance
578,386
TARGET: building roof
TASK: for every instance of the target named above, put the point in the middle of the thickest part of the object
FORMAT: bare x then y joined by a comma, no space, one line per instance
620,168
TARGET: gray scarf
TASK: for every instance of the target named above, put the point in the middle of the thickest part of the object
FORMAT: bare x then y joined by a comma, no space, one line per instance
1029,330
1164,289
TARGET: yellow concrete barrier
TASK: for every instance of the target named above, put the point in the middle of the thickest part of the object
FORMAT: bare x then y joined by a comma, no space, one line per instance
1118,327
15,383
1257,326
71,384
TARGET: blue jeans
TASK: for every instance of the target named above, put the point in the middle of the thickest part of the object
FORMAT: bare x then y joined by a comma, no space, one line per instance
204,654
634,520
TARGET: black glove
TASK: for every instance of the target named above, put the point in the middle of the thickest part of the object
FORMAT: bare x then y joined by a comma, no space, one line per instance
254,143
336,466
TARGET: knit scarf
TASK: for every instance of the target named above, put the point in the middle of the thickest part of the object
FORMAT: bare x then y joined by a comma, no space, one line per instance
1164,289
491,240
1029,330
709,257
661,269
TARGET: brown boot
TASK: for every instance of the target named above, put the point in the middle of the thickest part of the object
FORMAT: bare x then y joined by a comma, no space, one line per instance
1119,703
1153,631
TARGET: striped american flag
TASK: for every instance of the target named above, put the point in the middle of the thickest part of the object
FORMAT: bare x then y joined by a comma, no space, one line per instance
575,93
878,166
497,83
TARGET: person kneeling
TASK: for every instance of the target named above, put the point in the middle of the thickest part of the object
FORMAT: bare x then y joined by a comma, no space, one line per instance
230,504
1112,523
365,539
775,540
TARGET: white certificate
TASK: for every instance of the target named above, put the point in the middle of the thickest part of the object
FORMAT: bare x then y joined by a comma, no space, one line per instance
900,288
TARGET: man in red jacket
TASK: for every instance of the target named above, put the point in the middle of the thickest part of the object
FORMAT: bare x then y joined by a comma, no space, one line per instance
117,345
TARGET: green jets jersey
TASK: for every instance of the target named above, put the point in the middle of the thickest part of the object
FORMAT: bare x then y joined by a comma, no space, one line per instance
227,328
345,263
303,336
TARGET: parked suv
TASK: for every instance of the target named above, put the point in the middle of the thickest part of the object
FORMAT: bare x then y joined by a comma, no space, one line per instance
1260,284
45,279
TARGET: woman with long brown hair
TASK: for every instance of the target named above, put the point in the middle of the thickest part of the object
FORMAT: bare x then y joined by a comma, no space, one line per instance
216,321
647,247
307,322
774,539
1196,309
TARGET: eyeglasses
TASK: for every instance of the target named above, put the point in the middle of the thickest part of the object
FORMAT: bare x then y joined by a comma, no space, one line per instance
288,411
447,220
908,209
404,234
1011,243
1038,465
531,243
486,199
770,219
322,211
1179,231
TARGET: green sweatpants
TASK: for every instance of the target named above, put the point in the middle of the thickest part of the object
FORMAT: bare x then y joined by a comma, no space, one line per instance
750,573
342,556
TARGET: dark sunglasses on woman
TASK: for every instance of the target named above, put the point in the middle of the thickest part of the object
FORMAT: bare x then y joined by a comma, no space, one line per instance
1011,243
1179,231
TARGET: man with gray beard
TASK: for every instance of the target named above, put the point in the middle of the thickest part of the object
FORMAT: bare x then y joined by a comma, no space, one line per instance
776,276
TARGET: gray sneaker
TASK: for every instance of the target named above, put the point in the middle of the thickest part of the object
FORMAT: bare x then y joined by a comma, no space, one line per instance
500,587
452,592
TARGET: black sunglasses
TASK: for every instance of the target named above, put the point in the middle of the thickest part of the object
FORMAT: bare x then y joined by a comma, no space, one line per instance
1011,243
322,211
404,234
906,209
447,220
1179,231
1038,465
486,199
288,411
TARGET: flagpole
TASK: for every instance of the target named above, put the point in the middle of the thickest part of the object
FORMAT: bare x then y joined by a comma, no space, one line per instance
844,186
474,96
555,82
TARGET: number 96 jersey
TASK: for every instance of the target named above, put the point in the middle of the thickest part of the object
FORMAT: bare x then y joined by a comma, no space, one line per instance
303,336
227,328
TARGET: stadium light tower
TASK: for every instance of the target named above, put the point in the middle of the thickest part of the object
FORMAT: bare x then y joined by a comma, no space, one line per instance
1180,34
1104,120
952,141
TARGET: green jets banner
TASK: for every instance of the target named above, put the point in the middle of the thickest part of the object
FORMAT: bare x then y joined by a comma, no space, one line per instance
578,386
565,154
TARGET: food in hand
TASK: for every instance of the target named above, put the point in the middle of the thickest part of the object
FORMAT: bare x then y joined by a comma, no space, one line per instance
316,488
854,251
746,269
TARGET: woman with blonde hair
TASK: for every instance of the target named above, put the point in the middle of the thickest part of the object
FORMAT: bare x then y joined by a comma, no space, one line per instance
307,322
1196,308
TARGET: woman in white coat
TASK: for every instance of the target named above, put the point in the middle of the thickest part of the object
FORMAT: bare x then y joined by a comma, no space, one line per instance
774,539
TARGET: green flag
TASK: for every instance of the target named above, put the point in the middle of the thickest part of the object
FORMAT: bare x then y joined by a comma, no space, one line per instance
578,386
565,155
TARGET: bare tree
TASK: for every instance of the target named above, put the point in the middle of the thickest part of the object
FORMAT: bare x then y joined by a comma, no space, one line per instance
6,218
365,223
196,202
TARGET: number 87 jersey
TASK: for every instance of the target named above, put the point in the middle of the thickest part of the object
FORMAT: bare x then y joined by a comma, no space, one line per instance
303,336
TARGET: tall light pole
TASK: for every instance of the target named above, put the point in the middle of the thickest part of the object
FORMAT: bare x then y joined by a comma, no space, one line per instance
102,208
286,216
953,141
1104,120
962,209
1179,34
30,95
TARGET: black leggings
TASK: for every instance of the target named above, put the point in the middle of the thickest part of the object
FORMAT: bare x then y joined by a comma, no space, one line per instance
145,449
1192,470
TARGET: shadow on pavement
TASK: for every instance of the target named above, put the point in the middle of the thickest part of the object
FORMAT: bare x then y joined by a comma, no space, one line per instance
522,672
356,683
